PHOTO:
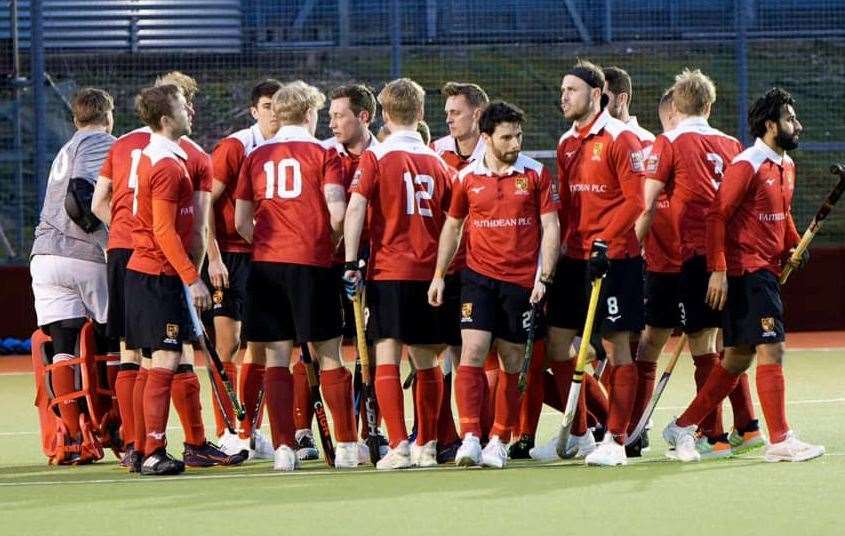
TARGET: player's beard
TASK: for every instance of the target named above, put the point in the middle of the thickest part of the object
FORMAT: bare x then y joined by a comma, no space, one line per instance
508,157
785,141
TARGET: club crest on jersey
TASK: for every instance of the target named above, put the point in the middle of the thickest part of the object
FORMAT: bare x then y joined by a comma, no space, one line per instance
768,325
466,312
356,178
637,161
171,332
521,186
217,297
597,148
651,163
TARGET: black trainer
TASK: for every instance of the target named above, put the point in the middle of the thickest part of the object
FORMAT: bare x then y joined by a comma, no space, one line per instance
209,455
519,450
635,448
161,463
448,452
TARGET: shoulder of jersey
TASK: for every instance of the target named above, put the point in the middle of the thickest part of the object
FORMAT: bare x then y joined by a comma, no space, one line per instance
615,128
191,143
158,152
139,133
643,134
698,129
444,144
387,147
756,158
524,162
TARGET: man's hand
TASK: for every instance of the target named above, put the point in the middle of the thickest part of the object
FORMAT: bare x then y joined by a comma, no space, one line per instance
353,280
200,295
802,260
435,291
717,290
598,264
218,273
538,293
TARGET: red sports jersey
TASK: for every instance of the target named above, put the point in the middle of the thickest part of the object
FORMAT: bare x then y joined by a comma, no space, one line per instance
227,158
600,172
121,167
408,188
284,178
447,148
504,213
162,175
750,226
692,158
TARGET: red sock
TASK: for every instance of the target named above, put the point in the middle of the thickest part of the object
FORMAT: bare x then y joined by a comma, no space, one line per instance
157,408
138,410
428,397
337,391
719,383
470,386
563,371
123,386
507,405
605,377
551,394
741,403
623,393
220,423
391,401
488,409
186,399
63,382
251,381
278,392
711,425
536,391
446,432
646,372
303,412
595,399
771,389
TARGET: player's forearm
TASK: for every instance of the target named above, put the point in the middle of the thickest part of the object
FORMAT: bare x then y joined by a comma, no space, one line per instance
101,202
549,244
643,224
199,242
164,230
450,237
792,235
651,191
244,223
211,234
715,237
353,225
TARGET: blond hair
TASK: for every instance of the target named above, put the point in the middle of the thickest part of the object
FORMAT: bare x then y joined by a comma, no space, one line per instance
186,84
693,93
293,101
403,100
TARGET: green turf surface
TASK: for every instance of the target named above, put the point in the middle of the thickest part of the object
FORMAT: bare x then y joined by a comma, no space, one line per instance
651,496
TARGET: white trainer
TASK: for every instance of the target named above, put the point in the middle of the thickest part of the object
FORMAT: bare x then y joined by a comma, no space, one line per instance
546,452
494,454
681,441
263,447
424,455
346,455
608,453
232,443
396,458
792,449
469,453
285,459
580,446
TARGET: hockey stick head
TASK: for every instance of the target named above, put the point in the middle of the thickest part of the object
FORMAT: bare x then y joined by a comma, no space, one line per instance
838,169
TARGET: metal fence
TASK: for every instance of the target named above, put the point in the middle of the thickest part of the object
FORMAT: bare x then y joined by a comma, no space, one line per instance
516,49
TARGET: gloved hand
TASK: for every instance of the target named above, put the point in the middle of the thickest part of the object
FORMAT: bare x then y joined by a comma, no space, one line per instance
598,264
353,279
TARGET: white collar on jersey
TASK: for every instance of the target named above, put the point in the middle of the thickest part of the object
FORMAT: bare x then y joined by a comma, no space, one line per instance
257,136
692,121
600,123
632,121
294,133
768,152
160,143
480,168
404,136
341,148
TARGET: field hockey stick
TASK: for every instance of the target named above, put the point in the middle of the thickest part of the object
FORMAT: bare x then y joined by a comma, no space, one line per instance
529,348
255,418
578,375
366,380
210,351
409,380
816,224
658,392
317,402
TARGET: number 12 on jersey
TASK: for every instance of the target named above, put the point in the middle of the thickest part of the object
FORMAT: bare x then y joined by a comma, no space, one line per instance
418,201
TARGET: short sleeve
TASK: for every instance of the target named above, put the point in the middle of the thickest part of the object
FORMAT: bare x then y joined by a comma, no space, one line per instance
459,204
243,189
90,155
106,168
202,182
658,162
548,192
365,181
333,168
226,160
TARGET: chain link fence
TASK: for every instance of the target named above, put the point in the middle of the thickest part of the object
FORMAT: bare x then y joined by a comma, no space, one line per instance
516,49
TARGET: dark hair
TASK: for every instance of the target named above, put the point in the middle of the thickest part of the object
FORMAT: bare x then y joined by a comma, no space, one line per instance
618,81
499,112
265,88
360,98
91,106
155,102
589,72
475,96
768,108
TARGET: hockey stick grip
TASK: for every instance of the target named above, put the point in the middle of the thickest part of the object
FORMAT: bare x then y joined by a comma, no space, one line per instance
529,349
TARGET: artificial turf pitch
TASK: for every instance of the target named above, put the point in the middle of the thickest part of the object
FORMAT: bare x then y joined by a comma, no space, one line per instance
652,495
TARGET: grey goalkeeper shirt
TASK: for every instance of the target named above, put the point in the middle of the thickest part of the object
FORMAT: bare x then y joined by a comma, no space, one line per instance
57,234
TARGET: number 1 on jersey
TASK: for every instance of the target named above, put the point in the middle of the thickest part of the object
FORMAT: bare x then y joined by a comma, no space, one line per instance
418,200
135,155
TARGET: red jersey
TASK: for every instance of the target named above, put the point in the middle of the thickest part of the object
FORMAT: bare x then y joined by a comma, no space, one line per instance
348,167
447,148
691,158
284,178
163,175
750,226
227,158
408,188
504,213
600,172
121,167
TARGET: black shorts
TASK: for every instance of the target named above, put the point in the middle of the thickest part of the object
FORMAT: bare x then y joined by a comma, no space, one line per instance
495,306
291,301
116,261
157,316
663,306
229,302
452,299
694,281
400,310
620,305
754,310
347,311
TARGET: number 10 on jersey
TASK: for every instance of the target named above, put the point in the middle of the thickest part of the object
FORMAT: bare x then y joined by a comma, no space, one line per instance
289,179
